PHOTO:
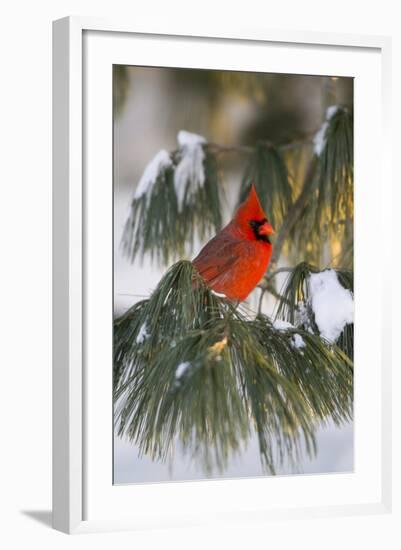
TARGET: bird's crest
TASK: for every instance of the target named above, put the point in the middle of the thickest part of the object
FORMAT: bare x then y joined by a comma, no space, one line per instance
250,209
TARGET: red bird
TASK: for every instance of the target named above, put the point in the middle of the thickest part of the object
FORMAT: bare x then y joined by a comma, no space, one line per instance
236,259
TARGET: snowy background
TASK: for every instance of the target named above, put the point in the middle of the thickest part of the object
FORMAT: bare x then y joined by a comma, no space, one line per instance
159,105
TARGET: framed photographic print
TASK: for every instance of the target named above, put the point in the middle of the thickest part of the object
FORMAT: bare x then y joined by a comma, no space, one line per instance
219,342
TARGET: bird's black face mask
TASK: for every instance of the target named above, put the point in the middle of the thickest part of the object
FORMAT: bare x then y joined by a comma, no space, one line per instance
256,225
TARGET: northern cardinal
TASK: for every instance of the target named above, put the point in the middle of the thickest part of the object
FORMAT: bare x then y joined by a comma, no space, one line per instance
235,260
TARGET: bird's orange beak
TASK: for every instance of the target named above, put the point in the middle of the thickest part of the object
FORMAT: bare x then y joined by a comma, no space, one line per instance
266,229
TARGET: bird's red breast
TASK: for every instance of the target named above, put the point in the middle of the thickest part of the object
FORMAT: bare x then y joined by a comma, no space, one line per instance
236,259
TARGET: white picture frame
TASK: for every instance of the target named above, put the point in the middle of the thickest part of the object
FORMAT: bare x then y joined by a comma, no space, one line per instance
74,476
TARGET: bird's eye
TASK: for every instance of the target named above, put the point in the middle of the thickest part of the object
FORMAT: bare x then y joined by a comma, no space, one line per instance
254,224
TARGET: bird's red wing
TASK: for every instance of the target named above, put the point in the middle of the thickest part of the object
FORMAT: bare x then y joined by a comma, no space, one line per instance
217,259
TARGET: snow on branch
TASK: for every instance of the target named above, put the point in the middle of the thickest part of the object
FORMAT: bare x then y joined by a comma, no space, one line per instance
182,368
176,199
279,324
319,303
154,169
319,140
297,342
332,304
189,174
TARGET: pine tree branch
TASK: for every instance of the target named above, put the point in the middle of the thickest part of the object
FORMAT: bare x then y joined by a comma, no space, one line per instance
294,212
296,144
217,148
270,276
268,287
190,366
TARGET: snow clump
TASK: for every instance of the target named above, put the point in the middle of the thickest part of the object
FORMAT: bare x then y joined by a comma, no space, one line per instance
279,324
142,334
319,140
332,304
189,174
181,369
160,162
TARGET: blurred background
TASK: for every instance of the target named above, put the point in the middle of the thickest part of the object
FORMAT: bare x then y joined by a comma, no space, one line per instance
151,105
